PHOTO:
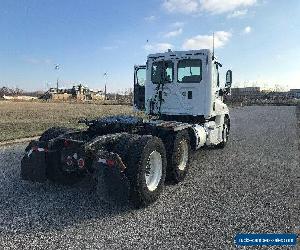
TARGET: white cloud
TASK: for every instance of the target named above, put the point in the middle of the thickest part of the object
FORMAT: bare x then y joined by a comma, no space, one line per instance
238,13
206,41
247,30
181,6
211,6
150,18
222,6
174,33
177,25
158,47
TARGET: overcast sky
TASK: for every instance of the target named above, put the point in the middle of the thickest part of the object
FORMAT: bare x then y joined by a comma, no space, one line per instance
258,39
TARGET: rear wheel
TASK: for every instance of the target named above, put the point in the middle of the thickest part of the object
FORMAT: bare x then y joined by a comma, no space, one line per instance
146,170
153,171
178,148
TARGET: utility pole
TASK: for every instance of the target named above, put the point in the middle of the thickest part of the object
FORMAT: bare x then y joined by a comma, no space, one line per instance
105,80
57,68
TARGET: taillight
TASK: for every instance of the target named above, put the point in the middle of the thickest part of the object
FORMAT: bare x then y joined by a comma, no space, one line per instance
67,143
110,163
80,163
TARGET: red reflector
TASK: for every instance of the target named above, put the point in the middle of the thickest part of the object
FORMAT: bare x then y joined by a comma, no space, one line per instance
67,143
110,163
80,163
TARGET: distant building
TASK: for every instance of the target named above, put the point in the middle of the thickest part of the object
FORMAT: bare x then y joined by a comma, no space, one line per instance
256,93
247,92
294,93
77,92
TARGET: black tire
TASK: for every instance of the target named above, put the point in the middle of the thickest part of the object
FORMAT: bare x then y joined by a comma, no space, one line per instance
138,158
54,132
225,133
176,172
124,144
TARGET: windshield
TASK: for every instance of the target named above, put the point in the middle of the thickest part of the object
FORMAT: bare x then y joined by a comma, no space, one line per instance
162,72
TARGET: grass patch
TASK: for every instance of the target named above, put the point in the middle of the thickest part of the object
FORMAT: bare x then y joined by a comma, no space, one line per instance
26,119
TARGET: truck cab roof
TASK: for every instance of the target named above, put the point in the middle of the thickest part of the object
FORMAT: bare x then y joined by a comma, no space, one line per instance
179,54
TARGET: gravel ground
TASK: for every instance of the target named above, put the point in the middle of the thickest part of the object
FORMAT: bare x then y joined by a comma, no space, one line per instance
250,186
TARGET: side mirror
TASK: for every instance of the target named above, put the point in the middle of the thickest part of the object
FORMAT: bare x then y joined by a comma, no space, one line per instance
228,79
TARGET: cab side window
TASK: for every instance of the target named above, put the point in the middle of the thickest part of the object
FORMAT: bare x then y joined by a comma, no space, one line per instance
141,77
162,72
189,71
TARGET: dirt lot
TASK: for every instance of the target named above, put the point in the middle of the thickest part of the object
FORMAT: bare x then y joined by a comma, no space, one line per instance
26,119
251,186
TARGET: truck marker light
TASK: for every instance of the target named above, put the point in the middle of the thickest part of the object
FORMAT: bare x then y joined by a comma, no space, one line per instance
80,163
67,143
110,163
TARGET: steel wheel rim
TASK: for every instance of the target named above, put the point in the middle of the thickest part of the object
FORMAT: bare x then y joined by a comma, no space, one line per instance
153,170
184,154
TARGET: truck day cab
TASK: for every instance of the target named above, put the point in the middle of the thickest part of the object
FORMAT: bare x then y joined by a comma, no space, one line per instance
180,92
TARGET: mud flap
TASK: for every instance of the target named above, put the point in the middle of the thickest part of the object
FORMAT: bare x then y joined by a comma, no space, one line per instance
112,186
33,164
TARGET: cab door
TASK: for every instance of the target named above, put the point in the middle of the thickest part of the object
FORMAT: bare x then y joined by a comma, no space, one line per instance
186,94
139,87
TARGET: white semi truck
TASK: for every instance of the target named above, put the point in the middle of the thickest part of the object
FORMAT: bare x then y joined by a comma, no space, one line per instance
181,95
